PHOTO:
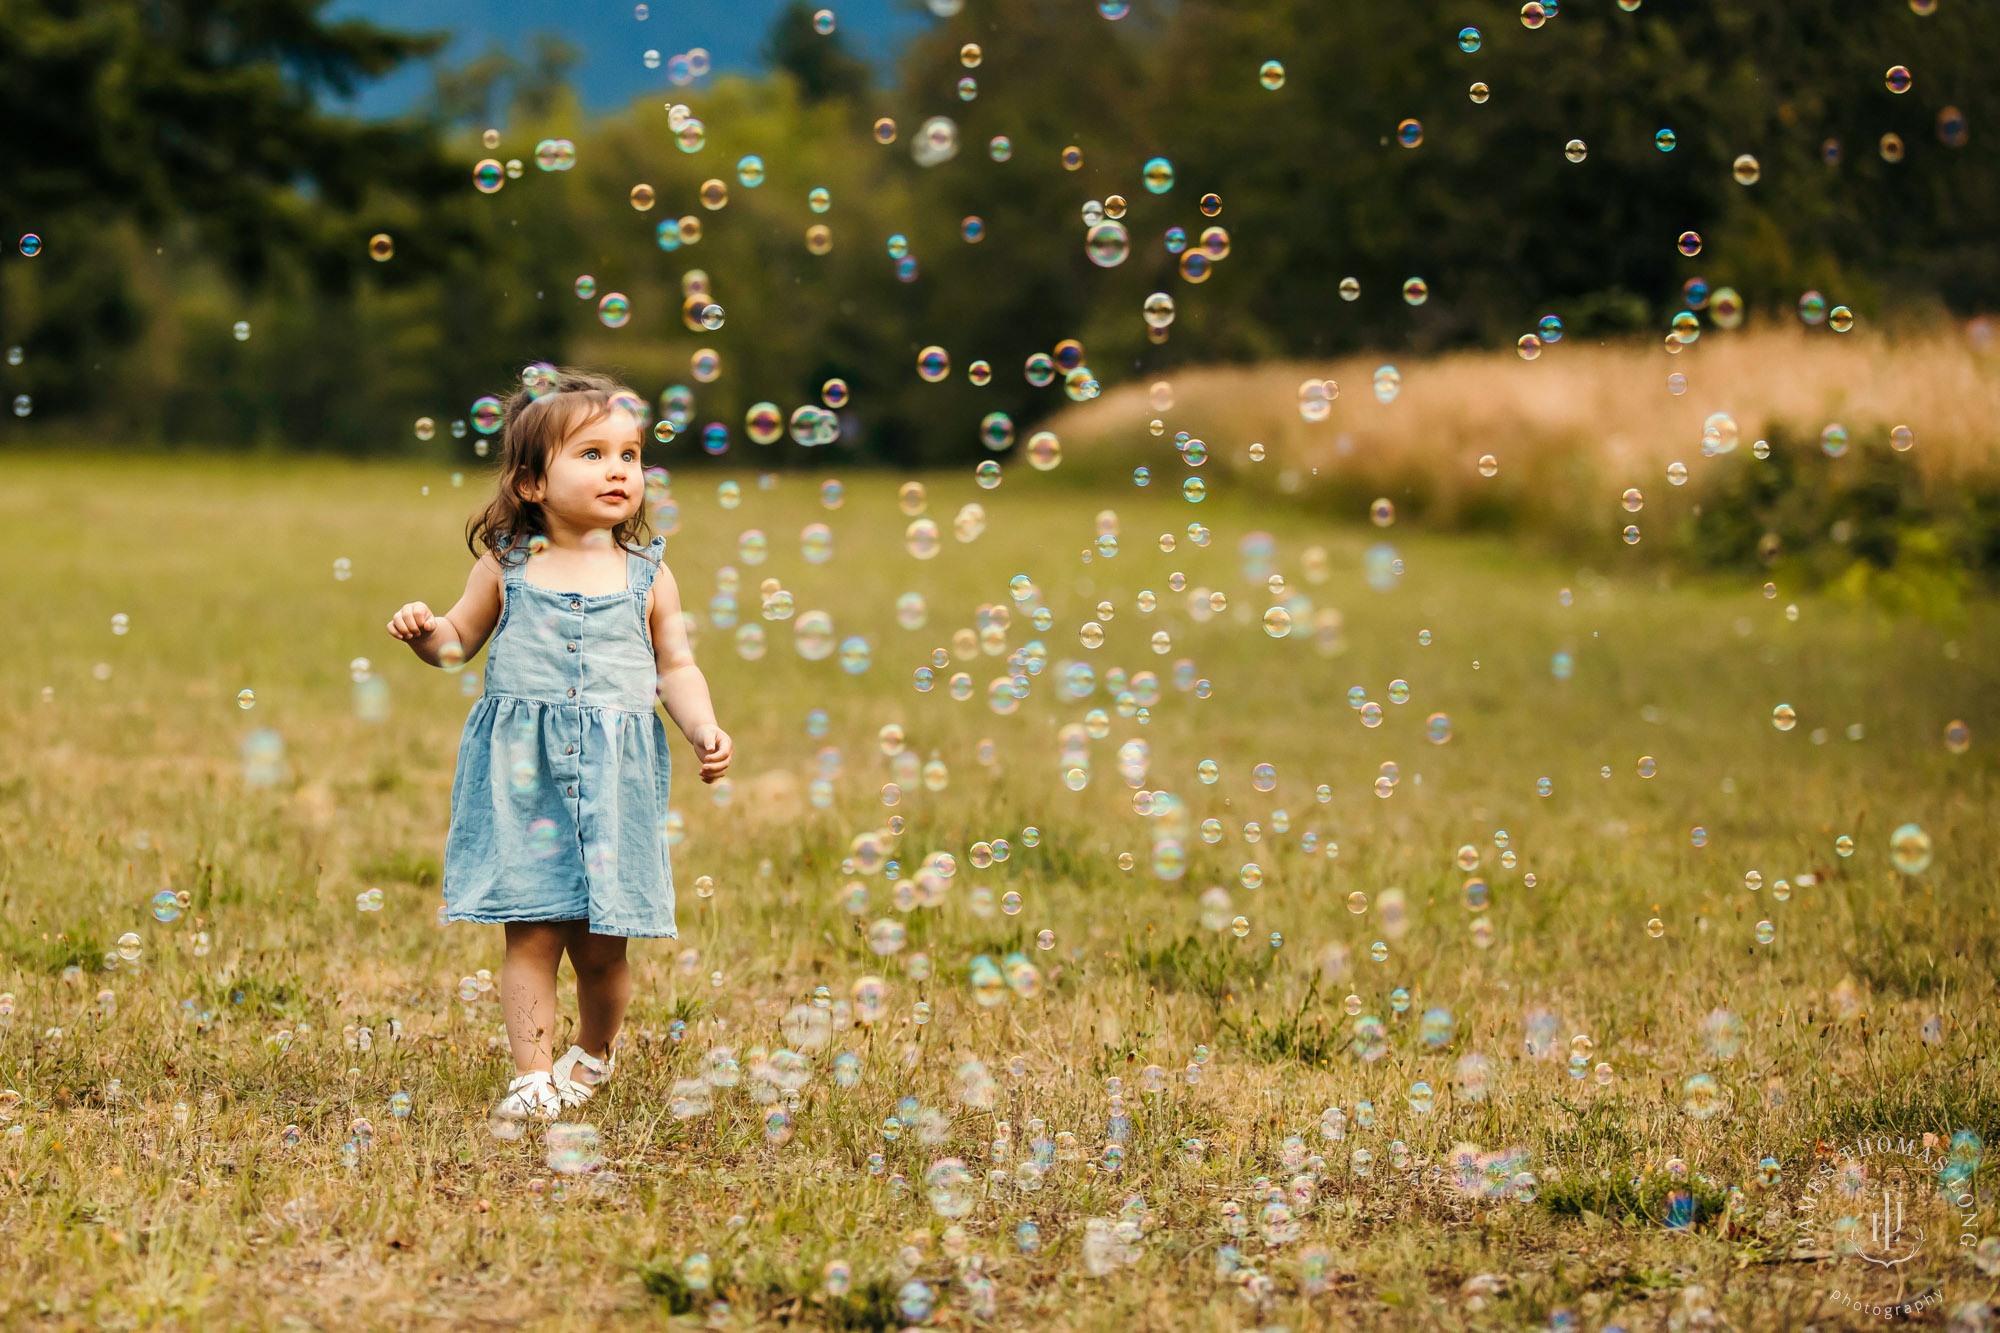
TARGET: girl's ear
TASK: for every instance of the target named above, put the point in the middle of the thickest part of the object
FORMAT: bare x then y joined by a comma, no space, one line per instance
531,489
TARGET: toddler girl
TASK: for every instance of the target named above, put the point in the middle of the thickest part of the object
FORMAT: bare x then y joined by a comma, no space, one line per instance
559,806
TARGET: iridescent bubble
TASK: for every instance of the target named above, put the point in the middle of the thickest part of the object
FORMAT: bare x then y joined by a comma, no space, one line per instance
1910,849
1898,79
1576,150
936,142
1468,40
933,364
1410,133
1108,244
1158,175
1689,244
1272,75
921,539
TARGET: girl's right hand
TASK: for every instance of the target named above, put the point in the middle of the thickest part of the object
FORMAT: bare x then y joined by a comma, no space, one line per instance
412,622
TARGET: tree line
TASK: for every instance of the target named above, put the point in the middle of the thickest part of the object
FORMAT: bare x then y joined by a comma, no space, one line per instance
205,278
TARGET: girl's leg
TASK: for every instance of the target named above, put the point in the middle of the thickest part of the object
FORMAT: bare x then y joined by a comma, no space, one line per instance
528,991
603,986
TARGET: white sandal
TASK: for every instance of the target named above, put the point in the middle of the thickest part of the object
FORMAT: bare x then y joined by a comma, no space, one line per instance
531,1096
579,1074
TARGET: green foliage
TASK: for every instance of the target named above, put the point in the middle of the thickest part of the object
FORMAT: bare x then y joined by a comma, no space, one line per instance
48,954
663,1279
136,123
1202,965
1646,1197
1306,1033
179,176
1865,523
822,68
869,1305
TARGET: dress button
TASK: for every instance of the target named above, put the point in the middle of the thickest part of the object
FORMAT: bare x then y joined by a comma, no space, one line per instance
576,605
569,749
572,693
572,791
572,647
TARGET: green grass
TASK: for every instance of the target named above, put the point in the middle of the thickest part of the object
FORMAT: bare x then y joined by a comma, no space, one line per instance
116,1214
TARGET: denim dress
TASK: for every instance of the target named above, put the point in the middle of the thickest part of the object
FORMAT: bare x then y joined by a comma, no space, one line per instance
559,807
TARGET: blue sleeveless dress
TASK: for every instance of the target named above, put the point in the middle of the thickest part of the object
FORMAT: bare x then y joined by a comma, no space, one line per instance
559,807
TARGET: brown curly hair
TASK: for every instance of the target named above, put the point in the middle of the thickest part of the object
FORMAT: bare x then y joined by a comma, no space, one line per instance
535,422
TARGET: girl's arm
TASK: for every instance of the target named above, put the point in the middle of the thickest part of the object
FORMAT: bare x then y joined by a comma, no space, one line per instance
683,689
468,624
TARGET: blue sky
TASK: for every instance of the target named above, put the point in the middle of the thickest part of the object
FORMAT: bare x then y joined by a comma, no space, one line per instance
612,39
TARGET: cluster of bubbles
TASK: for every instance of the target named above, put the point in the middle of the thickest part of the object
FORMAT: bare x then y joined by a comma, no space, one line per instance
862,1031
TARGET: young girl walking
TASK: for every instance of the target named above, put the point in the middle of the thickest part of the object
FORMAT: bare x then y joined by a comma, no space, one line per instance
558,810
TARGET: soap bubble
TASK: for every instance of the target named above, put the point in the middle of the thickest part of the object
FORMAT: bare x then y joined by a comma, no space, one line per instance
1910,849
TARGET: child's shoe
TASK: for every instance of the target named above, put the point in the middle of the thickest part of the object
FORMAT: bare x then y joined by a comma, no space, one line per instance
579,1074
532,1096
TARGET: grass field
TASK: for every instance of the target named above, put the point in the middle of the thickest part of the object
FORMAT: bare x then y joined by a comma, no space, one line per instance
148,1177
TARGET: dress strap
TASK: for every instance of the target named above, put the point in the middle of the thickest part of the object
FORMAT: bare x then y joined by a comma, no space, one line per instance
641,568
642,564
511,571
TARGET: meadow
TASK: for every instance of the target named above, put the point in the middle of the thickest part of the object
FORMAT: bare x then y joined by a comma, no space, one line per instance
1479,441
1556,1022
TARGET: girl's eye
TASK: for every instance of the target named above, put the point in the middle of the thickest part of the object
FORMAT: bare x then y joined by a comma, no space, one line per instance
589,453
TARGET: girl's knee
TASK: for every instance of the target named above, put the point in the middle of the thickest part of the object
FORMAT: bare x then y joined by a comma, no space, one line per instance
532,935
595,955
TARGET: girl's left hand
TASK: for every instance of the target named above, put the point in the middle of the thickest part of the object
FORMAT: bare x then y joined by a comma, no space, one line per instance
712,743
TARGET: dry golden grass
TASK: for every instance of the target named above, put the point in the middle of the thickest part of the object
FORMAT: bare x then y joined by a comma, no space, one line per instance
1570,430
147,1178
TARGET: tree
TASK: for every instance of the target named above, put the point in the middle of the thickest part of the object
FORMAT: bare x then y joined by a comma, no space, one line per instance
202,109
135,119
821,63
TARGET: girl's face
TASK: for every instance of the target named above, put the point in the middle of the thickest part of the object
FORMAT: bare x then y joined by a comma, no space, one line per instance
594,479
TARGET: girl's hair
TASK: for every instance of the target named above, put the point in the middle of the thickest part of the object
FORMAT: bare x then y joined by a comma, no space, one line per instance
552,405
